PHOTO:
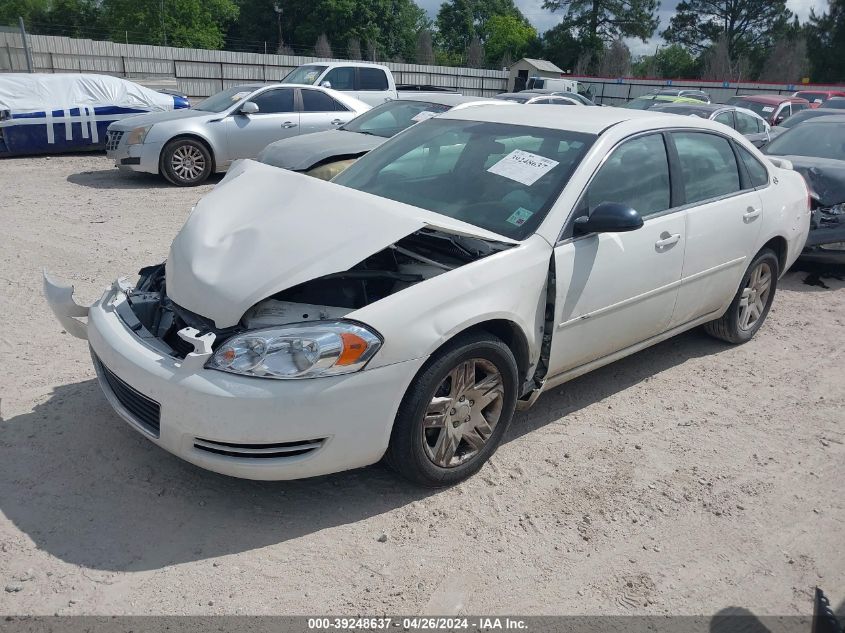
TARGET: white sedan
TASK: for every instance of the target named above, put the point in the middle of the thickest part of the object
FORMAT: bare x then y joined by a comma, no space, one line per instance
407,308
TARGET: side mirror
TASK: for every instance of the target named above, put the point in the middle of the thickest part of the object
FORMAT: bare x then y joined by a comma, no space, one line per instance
326,84
609,217
250,107
780,119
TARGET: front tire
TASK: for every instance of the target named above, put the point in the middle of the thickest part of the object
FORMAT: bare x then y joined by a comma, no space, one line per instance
455,413
752,302
185,162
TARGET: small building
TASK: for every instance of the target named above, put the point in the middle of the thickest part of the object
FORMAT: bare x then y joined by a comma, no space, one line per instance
526,67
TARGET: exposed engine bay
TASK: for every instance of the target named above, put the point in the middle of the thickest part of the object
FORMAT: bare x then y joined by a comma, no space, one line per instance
153,316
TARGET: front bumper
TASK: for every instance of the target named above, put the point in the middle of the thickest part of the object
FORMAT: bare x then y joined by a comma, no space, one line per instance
236,425
140,158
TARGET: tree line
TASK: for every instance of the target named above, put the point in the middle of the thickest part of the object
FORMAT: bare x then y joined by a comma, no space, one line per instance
719,40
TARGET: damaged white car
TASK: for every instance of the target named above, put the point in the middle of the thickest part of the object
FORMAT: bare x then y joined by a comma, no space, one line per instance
404,310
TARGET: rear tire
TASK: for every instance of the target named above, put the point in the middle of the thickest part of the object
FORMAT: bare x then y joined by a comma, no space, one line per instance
752,302
185,162
455,412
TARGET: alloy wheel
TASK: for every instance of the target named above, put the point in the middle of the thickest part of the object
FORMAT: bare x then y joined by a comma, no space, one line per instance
463,413
755,296
188,162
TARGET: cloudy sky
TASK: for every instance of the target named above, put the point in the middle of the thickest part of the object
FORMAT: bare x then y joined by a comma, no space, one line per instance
543,20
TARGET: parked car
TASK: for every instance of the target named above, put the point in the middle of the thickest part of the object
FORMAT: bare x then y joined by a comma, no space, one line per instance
403,310
325,154
817,97
816,150
746,122
371,83
532,98
775,109
560,93
186,147
691,93
834,103
800,117
537,84
646,102
69,112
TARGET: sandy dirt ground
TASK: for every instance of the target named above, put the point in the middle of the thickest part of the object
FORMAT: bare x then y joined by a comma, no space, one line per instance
687,479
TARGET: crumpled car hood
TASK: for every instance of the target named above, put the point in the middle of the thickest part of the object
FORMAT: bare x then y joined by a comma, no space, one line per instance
262,230
825,176
303,152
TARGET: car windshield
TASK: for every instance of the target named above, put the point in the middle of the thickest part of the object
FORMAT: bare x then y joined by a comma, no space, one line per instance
394,116
835,102
811,96
226,99
304,75
497,176
641,103
517,98
763,109
817,139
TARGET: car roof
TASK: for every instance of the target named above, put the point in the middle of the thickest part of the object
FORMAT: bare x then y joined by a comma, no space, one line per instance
829,118
772,99
589,120
447,99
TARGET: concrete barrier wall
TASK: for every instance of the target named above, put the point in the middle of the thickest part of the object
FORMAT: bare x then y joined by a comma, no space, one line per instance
200,73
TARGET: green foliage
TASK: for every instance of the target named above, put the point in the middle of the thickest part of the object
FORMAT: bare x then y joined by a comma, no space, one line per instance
459,21
73,18
604,21
561,47
670,62
507,35
747,25
184,23
826,43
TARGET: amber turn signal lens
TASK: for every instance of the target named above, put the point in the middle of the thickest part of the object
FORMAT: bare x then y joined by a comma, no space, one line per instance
353,347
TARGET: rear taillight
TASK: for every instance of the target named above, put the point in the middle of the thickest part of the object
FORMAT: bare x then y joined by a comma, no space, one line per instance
809,195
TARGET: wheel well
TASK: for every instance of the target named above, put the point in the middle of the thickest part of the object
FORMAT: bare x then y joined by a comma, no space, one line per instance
192,137
512,335
780,248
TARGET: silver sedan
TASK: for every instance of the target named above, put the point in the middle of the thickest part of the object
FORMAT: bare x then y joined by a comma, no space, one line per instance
187,146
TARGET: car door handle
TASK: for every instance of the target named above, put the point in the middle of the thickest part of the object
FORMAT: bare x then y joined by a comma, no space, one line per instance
667,239
751,213
288,124
337,122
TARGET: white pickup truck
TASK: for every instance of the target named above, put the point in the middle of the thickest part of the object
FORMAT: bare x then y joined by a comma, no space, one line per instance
371,83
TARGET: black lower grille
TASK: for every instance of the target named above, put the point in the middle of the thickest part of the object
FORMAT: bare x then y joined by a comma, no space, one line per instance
258,451
145,411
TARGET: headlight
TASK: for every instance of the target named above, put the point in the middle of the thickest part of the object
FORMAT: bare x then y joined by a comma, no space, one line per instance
303,350
137,136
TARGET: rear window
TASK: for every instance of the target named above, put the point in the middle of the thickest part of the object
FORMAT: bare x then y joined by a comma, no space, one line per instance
497,176
372,79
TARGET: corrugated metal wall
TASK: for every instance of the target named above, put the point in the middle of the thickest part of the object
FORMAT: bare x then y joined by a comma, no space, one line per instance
200,73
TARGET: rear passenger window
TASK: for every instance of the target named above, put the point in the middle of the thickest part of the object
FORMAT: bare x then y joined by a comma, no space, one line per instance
746,124
757,172
372,79
725,118
316,101
708,166
635,174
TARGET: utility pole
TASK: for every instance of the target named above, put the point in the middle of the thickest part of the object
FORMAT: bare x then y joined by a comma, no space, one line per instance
27,53
163,25
278,11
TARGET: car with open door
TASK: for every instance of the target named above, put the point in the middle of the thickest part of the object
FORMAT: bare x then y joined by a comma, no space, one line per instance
405,309
187,146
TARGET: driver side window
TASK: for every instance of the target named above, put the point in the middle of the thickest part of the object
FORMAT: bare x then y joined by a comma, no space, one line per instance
636,174
274,101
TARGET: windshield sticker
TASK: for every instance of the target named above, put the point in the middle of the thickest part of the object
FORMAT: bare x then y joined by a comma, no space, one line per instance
768,109
520,216
523,167
311,76
422,116
239,95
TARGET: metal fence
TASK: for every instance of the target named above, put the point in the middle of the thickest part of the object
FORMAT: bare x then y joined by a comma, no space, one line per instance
200,73
610,91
